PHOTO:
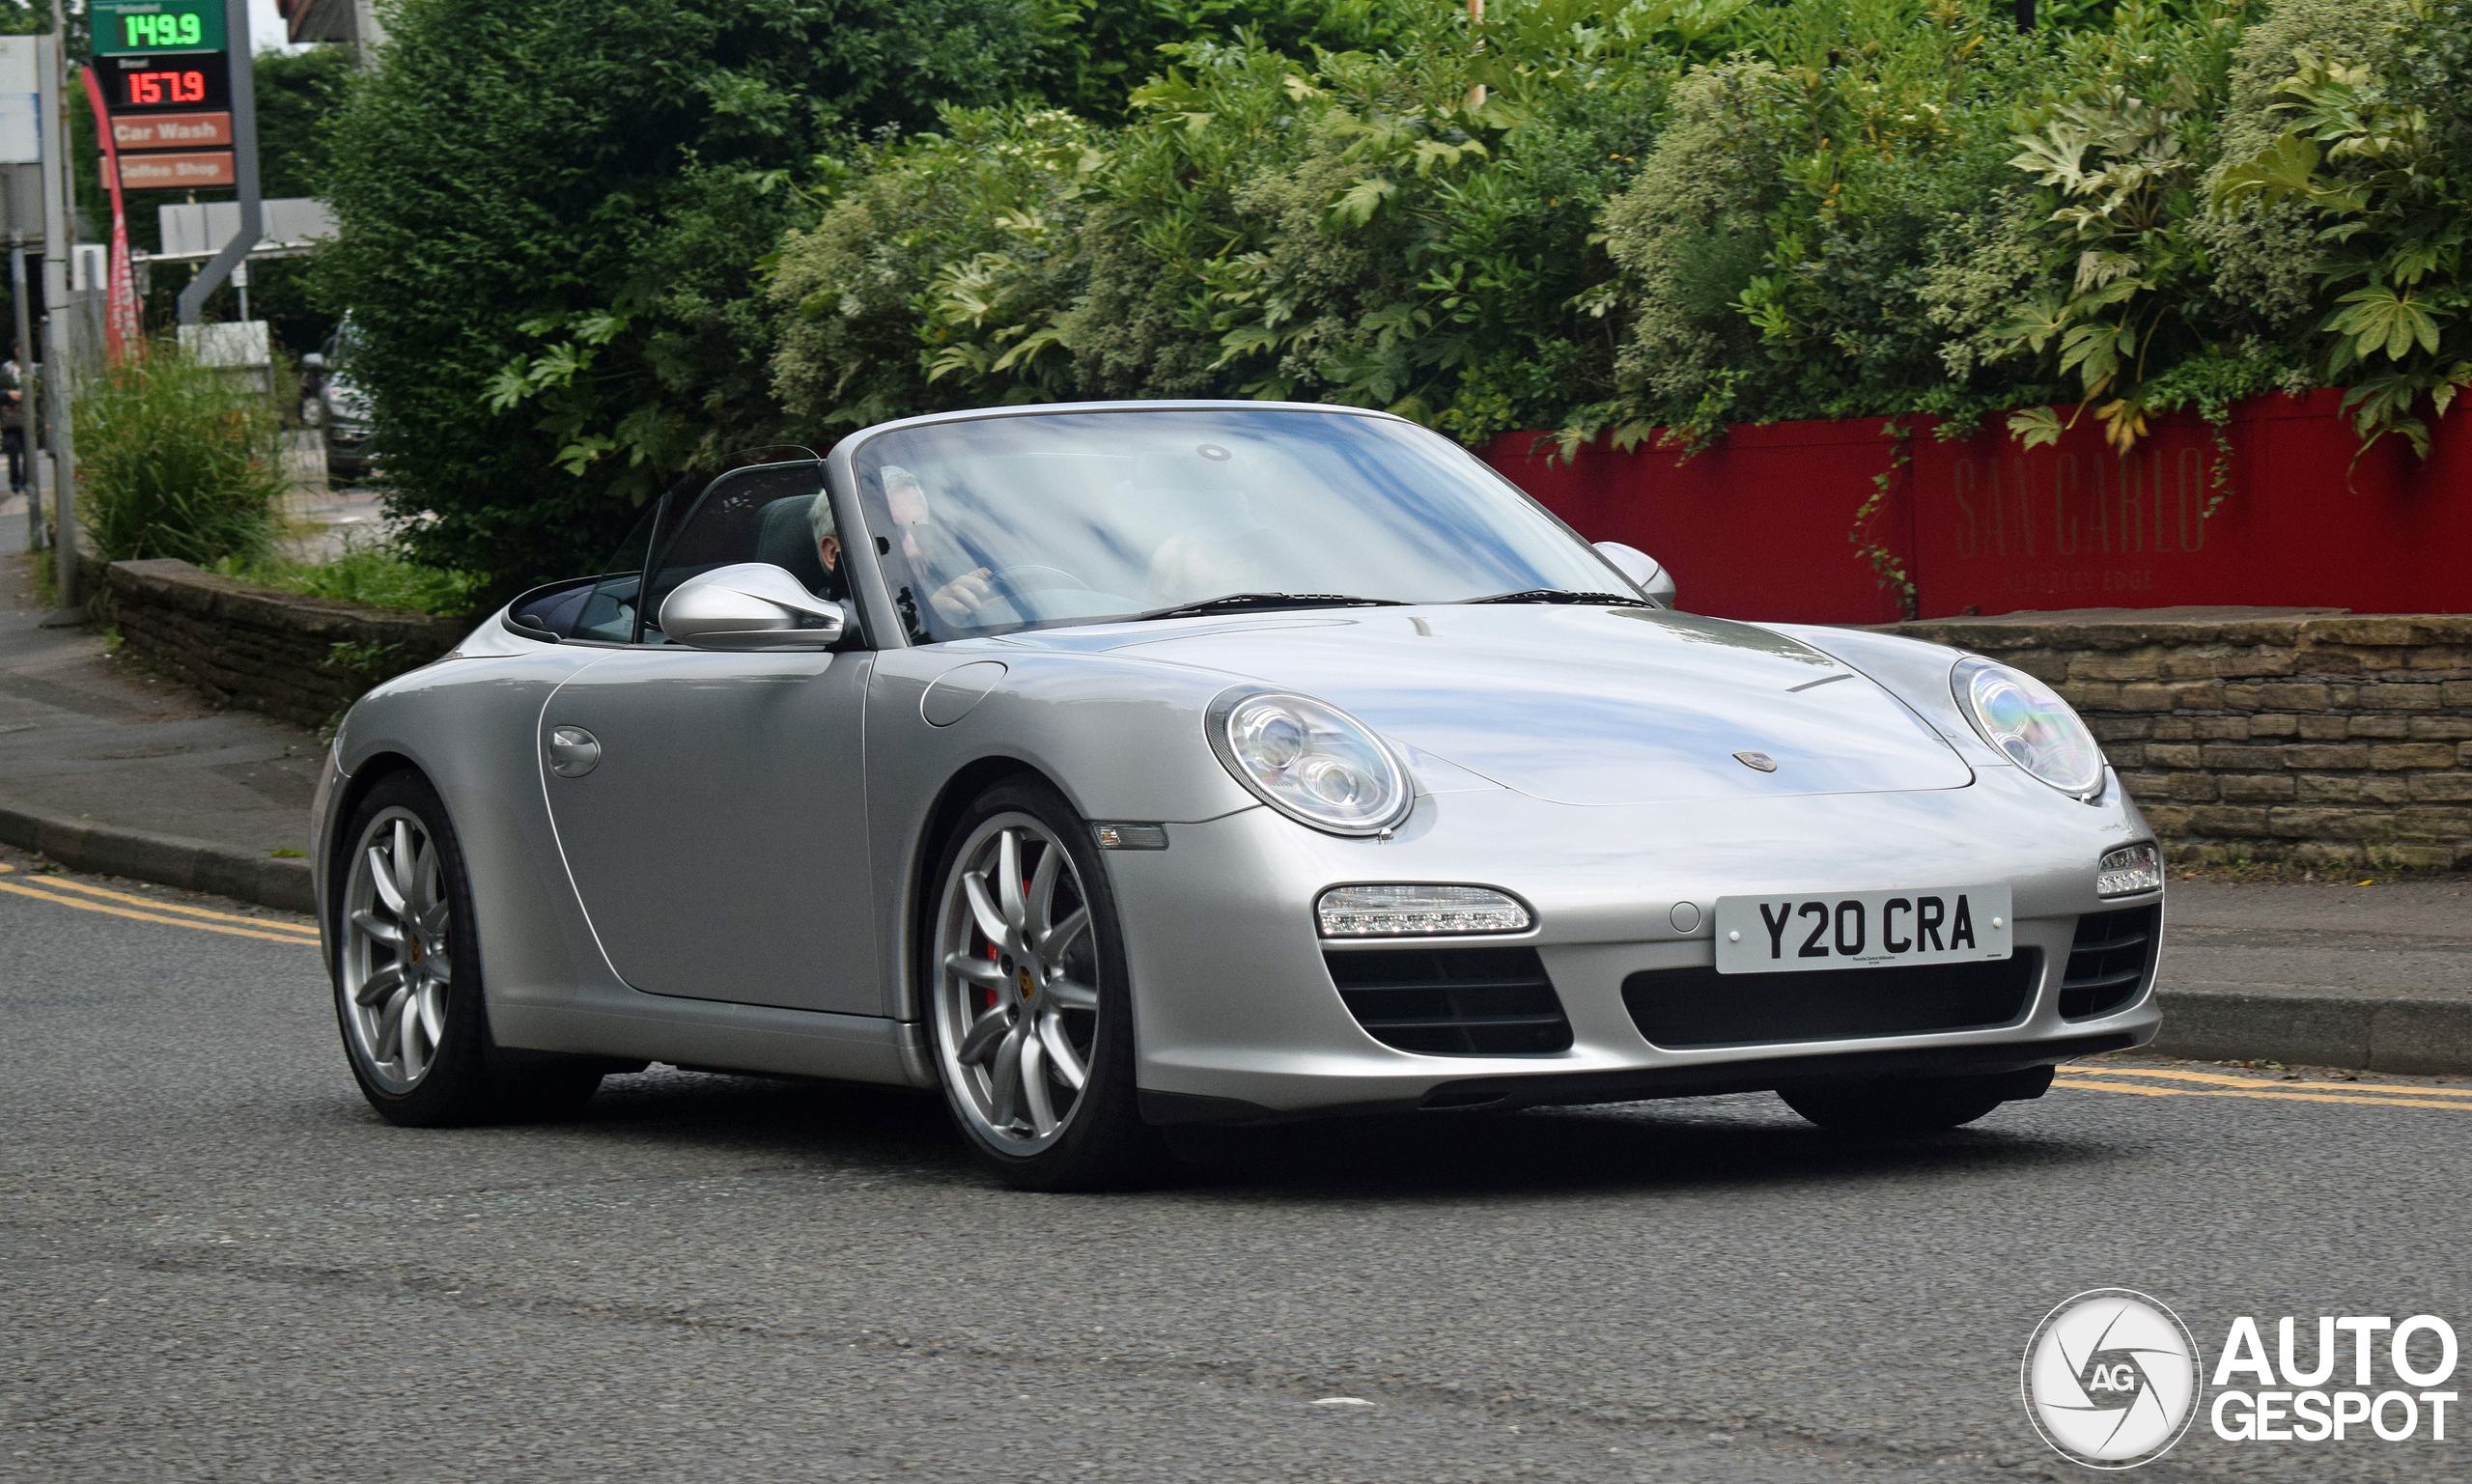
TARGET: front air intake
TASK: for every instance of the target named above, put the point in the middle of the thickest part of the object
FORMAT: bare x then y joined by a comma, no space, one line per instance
1699,1007
2108,962
1454,1001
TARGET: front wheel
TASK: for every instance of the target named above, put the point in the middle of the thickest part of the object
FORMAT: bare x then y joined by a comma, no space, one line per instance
407,977
1031,1009
1910,1105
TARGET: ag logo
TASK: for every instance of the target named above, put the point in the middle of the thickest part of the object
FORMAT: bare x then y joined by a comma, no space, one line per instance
2110,1379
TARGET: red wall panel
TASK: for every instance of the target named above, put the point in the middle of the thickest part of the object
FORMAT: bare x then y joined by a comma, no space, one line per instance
1757,527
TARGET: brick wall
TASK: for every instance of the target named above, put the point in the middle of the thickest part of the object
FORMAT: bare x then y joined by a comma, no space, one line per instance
302,659
2309,736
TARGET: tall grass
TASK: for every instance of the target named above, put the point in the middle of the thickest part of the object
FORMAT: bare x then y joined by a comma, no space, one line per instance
176,460
374,572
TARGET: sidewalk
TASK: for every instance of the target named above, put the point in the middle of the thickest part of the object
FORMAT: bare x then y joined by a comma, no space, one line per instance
92,748
105,768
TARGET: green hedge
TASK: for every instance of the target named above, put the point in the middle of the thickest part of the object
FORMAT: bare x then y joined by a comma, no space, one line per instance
1586,215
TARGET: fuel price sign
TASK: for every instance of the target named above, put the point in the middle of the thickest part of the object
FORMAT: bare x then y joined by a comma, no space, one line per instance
125,28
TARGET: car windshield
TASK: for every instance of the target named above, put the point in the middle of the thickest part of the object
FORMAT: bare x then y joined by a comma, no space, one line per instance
990,525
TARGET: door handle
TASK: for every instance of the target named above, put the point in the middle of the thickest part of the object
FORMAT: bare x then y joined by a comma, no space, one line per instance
573,751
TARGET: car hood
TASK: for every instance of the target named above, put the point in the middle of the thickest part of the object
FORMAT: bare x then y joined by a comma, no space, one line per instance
1577,705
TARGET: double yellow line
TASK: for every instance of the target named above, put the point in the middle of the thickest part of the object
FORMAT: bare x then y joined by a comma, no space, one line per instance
63,891
2140,1081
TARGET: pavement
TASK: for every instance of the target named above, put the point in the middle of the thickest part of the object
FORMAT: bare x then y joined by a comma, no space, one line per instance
221,1266
108,768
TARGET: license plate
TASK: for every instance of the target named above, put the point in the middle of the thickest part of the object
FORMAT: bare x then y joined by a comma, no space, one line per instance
1862,929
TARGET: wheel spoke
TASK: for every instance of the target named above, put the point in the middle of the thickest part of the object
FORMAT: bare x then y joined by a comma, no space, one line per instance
433,1003
1006,1086
976,970
983,1035
421,889
1060,1051
1034,1086
378,928
382,877
1062,938
441,969
1071,994
1042,892
390,1022
982,909
411,1021
379,983
1008,883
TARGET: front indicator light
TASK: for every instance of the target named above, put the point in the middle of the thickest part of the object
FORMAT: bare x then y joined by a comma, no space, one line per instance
2129,870
1418,911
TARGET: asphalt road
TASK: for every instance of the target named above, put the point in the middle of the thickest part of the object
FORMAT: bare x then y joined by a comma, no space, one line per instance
219,1265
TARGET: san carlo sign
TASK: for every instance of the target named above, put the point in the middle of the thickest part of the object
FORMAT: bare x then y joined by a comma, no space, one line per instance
2113,1379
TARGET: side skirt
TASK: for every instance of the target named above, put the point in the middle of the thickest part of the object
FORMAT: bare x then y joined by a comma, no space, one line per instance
710,1034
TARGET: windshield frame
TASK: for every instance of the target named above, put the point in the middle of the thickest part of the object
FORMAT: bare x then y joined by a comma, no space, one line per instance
867,577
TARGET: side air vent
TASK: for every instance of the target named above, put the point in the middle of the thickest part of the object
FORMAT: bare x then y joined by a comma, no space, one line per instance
2108,962
1454,1001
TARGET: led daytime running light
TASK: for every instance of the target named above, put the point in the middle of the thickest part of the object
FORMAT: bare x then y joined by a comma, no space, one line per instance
1418,911
2129,870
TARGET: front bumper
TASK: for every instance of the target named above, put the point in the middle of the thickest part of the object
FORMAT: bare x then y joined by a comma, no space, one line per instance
1238,1017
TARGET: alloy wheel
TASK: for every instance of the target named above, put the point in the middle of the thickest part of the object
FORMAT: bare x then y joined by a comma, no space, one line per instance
397,970
1016,997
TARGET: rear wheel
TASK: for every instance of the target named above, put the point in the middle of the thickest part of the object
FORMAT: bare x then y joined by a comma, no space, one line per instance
1031,1009
1910,1105
407,977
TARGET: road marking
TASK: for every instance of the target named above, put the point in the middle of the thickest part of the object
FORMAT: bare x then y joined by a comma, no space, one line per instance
2269,1092
24,890
57,883
2175,1074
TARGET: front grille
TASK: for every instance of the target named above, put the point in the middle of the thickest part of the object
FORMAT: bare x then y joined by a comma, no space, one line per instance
1454,1001
2108,961
1681,1008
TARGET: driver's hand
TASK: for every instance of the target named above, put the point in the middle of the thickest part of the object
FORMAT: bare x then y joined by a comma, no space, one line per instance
965,597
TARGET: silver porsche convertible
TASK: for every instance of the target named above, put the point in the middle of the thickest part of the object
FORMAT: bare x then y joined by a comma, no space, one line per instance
1126,765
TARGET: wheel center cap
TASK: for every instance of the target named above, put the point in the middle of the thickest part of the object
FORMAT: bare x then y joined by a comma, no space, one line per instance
1030,986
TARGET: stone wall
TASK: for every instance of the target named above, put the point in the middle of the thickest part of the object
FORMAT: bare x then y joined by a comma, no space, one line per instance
2312,737
302,659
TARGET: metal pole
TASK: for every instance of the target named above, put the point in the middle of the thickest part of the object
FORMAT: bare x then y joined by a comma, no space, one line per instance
24,353
58,202
245,164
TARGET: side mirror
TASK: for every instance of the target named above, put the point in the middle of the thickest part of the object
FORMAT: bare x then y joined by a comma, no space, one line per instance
1653,581
313,361
754,608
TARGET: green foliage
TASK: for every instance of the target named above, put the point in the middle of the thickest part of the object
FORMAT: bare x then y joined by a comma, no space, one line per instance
374,572
2365,156
551,221
175,459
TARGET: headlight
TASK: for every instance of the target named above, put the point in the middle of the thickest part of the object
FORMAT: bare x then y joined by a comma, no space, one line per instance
1310,761
1415,911
2127,871
2025,719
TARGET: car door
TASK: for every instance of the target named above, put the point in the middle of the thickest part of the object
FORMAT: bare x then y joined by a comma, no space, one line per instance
710,807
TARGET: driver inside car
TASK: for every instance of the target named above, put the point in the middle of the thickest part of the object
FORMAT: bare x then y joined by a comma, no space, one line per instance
965,598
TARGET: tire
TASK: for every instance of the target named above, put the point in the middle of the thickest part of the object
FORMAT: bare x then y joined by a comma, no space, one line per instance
1892,1106
1023,990
417,1039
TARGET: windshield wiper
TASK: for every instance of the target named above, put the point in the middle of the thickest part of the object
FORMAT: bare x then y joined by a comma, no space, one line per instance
1238,602
1560,595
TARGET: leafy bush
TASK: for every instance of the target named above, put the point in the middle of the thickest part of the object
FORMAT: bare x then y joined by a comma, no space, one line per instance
176,460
